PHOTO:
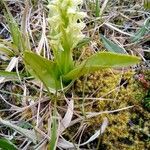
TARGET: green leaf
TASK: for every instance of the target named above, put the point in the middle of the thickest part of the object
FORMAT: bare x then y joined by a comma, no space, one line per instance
14,31
7,145
54,130
147,4
43,69
5,50
112,47
83,42
97,8
25,125
145,29
100,61
20,40
9,45
8,74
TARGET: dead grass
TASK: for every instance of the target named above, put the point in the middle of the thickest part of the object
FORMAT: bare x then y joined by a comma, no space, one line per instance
27,104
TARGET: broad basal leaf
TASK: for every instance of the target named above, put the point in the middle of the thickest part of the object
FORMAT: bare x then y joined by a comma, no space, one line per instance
99,61
43,69
112,47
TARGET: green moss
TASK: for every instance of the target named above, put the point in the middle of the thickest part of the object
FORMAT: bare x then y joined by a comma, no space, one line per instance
119,89
123,91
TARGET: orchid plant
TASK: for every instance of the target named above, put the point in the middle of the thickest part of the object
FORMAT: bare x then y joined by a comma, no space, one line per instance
66,25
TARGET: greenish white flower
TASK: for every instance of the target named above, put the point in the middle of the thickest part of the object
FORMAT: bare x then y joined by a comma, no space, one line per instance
65,24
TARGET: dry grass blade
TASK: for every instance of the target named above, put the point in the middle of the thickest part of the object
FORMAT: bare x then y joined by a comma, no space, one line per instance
94,114
104,5
30,134
10,67
42,120
66,144
120,31
43,43
68,116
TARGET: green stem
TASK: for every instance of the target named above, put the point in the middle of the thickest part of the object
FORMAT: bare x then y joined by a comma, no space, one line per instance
66,62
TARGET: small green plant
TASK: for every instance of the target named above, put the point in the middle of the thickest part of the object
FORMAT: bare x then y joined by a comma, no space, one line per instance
19,37
66,25
13,48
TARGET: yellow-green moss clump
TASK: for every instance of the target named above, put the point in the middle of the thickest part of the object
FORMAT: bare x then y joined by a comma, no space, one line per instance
120,90
128,129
